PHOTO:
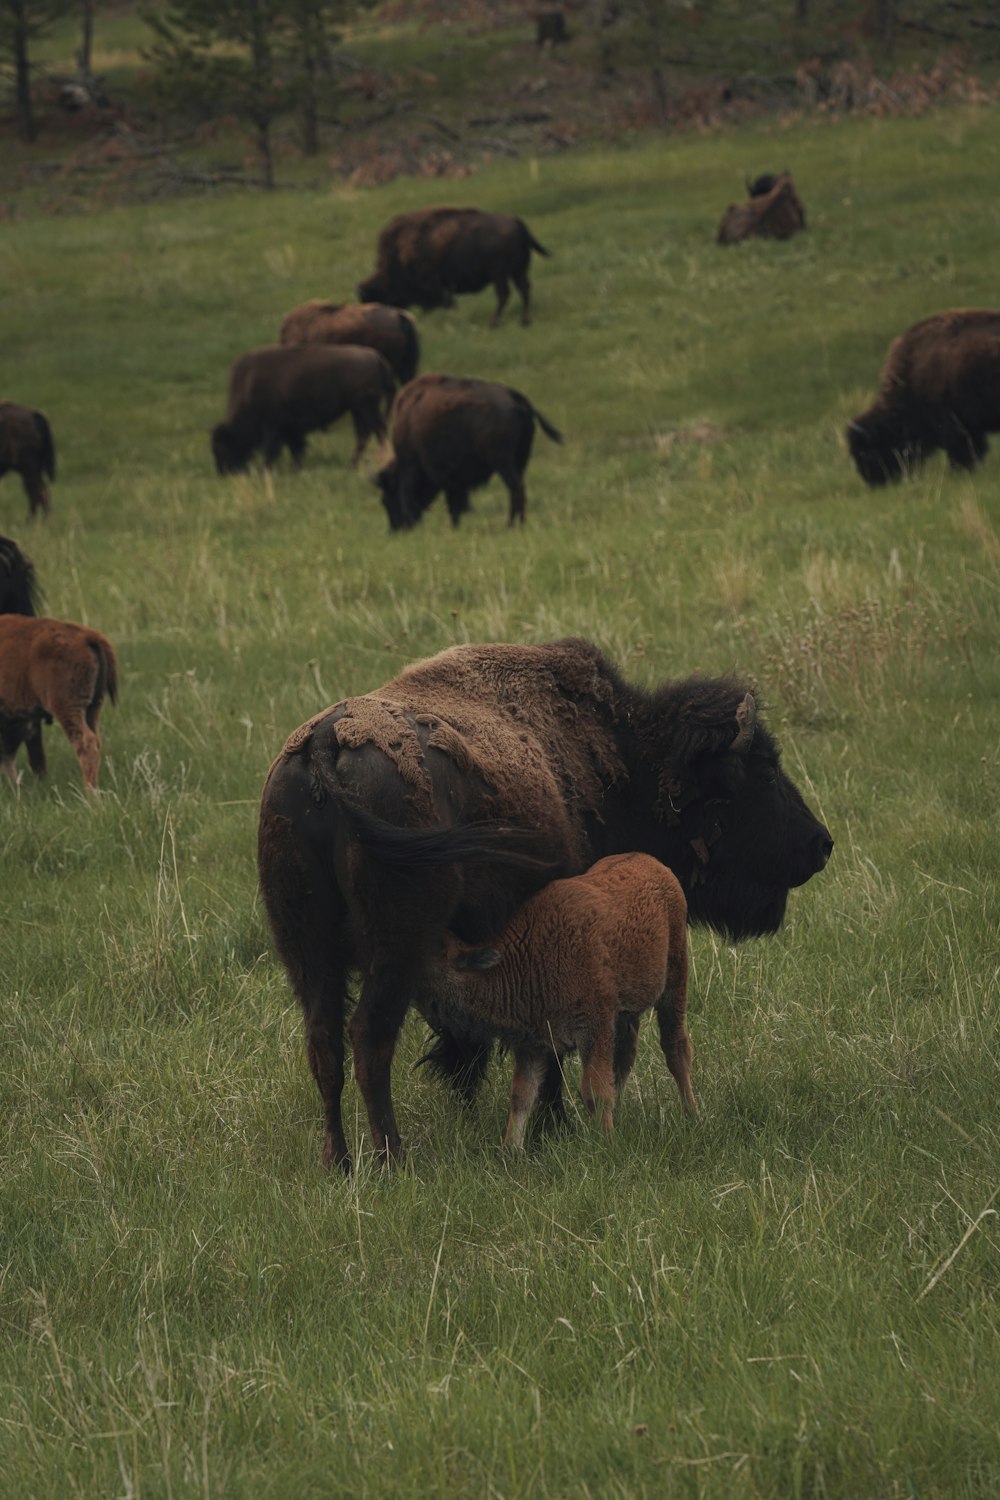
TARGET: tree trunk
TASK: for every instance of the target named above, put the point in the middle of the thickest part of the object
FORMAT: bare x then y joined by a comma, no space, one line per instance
22,70
85,55
310,107
887,25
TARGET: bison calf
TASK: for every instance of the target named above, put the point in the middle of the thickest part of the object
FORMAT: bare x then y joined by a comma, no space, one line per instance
53,669
26,445
940,388
388,329
774,212
425,258
453,434
279,394
575,957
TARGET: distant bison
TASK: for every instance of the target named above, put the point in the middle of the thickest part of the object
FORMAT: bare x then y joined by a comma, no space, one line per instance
18,584
774,214
762,185
26,445
452,434
551,27
53,669
940,388
388,329
425,257
279,394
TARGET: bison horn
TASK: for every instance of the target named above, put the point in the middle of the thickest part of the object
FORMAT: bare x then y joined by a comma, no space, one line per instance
746,718
855,427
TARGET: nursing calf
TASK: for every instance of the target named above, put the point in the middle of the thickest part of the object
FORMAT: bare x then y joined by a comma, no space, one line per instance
576,956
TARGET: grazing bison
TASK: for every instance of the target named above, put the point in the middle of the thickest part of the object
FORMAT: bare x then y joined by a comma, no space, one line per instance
575,956
940,388
425,257
452,434
53,669
775,214
278,394
26,445
550,27
388,329
382,826
19,594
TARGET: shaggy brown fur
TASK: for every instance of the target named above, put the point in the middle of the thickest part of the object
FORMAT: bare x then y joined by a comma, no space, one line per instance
26,445
940,388
279,394
575,956
426,257
53,669
775,215
452,434
19,592
388,329
385,822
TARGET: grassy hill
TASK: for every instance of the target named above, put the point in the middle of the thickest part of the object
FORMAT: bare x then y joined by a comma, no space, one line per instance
793,1296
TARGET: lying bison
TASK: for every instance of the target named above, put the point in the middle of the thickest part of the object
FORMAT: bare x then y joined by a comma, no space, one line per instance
26,445
388,329
19,592
774,213
279,394
426,257
940,388
385,822
452,434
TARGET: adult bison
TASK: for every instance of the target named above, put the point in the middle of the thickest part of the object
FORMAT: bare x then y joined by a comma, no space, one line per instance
278,394
388,329
940,388
774,213
382,826
19,592
452,434
424,258
26,445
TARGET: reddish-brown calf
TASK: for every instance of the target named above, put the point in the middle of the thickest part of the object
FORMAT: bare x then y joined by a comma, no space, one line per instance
53,669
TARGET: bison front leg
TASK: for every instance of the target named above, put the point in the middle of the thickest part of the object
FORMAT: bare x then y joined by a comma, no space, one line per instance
458,503
374,1027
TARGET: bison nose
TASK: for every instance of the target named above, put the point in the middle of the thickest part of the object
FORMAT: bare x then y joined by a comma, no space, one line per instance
823,848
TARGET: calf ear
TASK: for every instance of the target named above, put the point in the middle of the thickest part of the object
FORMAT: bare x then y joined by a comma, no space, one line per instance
746,719
477,958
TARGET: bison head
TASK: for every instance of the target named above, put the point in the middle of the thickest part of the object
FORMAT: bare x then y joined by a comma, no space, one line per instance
882,447
386,481
230,454
381,287
737,831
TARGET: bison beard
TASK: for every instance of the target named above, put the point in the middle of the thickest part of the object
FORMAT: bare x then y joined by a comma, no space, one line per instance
551,739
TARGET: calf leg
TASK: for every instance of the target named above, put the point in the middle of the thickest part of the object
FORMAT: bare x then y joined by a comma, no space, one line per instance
524,287
11,736
36,752
597,1083
86,744
670,1013
529,1071
626,1045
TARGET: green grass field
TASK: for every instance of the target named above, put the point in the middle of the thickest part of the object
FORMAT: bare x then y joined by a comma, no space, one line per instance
794,1296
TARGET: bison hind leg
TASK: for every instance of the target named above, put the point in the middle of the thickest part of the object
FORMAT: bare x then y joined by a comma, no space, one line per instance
36,490
461,1064
523,285
965,449
502,288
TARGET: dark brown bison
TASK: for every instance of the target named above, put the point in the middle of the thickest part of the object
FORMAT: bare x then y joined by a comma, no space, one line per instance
550,27
388,329
278,394
571,960
424,258
385,823
53,669
26,445
775,214
452,434
19,594
940,388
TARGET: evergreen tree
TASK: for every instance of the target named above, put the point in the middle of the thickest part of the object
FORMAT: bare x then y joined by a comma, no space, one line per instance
22,22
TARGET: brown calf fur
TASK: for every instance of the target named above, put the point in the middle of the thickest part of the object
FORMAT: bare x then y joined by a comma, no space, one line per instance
53,669
774,215
577,955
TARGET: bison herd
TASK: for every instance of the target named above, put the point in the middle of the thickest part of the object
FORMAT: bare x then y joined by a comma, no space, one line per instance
510,839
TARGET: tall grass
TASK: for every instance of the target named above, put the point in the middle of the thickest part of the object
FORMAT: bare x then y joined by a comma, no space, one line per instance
795,1295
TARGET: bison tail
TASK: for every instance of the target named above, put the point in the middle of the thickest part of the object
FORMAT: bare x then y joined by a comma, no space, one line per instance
416,848
107,669
547,427
410,362
48,447
533,242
